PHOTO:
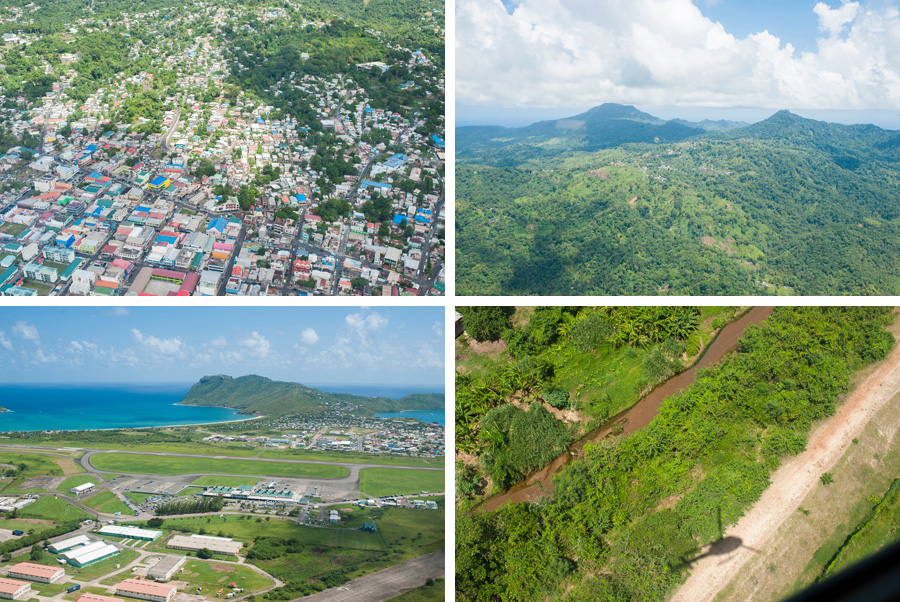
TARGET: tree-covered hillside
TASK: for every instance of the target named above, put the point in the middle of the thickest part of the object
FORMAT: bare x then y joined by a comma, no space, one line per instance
785,206
259,395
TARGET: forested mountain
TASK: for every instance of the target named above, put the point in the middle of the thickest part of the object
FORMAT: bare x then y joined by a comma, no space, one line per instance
254,394
785,206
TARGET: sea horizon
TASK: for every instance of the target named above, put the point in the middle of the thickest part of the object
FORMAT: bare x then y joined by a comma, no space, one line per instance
99,406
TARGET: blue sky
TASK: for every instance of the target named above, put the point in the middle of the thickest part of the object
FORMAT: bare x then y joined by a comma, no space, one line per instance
318,345
516,58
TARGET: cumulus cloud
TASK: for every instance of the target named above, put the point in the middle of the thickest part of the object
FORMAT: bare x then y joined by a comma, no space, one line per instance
4,342
548,53
256,346
27,331
173,347
309,336
833,20
365,324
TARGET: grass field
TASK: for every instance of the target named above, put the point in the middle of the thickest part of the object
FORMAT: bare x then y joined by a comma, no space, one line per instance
137,498
75,481
91,589
36,465
12,524
223,481
164,465
215,575
107,503
52,508
425,593
387,481
357,458
232,525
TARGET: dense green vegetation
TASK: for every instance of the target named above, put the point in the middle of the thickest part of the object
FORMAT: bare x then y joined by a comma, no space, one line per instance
191,506
257,394
624,522
785,206
595,360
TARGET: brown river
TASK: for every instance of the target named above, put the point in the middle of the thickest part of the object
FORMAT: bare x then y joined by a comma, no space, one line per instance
539,484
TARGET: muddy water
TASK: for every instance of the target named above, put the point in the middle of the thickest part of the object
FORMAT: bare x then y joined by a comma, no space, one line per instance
539,484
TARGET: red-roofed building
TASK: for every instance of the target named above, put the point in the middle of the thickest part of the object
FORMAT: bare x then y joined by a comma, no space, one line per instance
36,572
11,589
146,590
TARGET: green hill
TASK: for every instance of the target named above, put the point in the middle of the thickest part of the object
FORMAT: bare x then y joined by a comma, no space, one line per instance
254,394
785,206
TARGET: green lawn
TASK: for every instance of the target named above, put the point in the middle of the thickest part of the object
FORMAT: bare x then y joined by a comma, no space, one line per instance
215,575
91,589
233,525
12,229
402,534
137,498
52,508
390,481
165,465
106,502
42,288
223,481
24,525
358,458
36,465
74,481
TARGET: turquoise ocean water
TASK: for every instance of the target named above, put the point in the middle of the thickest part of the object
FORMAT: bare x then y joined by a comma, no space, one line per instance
105,406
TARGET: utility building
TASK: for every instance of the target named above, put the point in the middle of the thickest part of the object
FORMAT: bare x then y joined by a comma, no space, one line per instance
146,590
36,572
10,589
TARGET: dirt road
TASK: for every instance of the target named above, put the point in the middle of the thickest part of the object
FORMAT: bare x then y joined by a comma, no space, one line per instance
793,481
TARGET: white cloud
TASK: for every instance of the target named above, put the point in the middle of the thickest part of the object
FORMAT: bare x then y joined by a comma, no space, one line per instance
365,324
256,346
564,53
27,331
83,346
44,358
309,336
438,328
833,20
4,342
167,348
120,312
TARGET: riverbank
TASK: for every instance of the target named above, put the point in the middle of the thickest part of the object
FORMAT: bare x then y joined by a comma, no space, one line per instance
539,484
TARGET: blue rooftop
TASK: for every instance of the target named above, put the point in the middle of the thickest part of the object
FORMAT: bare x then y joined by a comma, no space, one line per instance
367,183
399,219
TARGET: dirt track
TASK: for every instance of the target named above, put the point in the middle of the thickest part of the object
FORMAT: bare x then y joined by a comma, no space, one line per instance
794,480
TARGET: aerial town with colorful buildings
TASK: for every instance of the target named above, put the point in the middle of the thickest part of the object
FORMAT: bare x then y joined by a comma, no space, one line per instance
172,180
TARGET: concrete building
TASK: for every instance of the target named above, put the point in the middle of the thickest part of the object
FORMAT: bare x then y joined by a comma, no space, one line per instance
36,572
146,590
68,544
219,545
82,489
90,554
130,532
11,589
165,568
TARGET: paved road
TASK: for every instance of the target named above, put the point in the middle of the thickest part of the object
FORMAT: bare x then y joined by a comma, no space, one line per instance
387,583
